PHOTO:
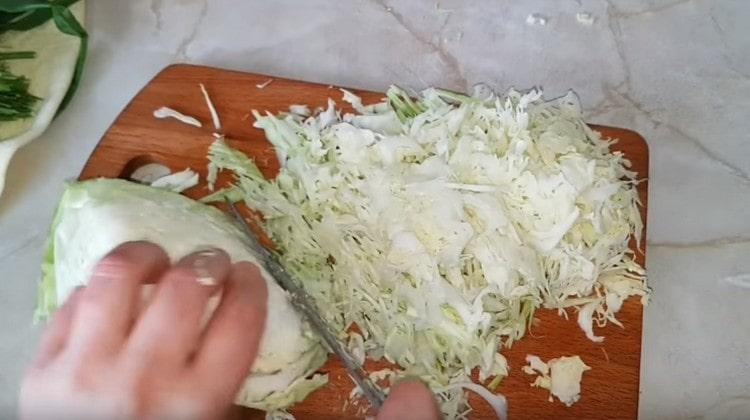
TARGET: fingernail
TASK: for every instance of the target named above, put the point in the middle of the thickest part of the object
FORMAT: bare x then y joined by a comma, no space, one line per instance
211,266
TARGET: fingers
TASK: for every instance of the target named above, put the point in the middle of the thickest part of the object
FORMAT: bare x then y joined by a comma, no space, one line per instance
231,341
55,336
409,399
106,308
101,347
168,331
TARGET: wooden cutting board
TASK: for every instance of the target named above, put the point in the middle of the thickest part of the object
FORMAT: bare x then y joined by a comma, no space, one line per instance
609,389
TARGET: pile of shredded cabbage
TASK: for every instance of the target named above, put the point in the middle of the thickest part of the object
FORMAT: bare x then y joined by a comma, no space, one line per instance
438,225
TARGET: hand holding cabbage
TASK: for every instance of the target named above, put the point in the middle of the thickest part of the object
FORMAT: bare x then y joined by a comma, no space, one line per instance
105,355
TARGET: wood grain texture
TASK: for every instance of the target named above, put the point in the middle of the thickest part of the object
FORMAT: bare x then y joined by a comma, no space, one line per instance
610,389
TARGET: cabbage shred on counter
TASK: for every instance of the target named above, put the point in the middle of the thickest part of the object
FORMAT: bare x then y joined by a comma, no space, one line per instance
438,225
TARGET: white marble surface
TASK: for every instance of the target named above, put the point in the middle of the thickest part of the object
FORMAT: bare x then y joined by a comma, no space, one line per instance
675,71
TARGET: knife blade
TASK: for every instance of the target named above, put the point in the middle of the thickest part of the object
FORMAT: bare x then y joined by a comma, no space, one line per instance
305,304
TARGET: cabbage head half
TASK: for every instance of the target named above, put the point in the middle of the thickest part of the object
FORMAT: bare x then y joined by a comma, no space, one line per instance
95,216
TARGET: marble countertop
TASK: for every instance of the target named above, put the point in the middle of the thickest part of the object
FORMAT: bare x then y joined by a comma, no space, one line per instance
678,72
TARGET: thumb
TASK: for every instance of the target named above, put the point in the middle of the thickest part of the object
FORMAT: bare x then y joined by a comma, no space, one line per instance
409,399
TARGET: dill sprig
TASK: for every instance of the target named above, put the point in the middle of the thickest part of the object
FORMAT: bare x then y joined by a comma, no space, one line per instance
15,100
23,15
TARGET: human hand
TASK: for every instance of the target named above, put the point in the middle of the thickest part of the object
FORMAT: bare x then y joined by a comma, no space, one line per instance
409,399
101,358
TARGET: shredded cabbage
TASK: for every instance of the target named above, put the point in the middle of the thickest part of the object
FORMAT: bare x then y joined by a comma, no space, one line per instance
178,181
167,112
438,225
561,376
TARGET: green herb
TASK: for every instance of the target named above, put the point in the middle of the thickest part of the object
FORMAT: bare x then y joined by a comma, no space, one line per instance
22,15
16,55
15,100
